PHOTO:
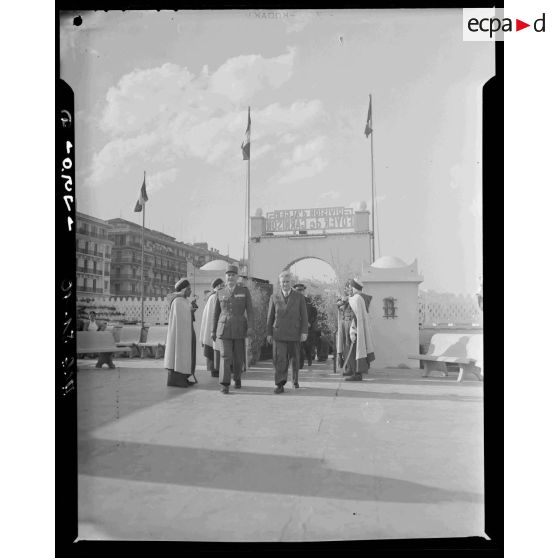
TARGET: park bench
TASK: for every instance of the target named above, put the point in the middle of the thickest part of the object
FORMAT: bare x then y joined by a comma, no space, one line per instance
130,336
464,350
101,343
156,339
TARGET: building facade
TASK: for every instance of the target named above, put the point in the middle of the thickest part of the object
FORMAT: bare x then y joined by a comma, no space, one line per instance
165,260
93,255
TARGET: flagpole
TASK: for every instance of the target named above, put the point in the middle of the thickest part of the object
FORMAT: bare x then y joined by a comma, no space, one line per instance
248,266
373,232
142,231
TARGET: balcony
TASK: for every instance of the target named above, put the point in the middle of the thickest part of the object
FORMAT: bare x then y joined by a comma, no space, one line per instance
90,290
124,275
88,270
90,252
86,232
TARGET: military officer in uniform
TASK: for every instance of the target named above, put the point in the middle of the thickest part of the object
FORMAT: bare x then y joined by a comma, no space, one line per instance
233,321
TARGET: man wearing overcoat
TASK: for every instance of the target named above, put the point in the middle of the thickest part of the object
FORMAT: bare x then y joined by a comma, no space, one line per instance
287,327
233,321
308,346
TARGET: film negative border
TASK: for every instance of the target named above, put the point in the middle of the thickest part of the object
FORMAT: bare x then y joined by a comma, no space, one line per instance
66,327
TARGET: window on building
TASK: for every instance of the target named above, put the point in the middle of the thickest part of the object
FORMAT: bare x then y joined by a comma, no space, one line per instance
80,282
106,285
390,308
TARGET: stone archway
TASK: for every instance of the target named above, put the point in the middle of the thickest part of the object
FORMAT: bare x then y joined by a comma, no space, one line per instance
347,252
308,259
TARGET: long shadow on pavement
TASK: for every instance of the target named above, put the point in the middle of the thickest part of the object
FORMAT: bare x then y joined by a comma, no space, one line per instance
250,472
312,391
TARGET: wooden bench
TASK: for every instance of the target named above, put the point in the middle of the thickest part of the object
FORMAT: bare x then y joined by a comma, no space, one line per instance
101,343
465,350
130,336
156,340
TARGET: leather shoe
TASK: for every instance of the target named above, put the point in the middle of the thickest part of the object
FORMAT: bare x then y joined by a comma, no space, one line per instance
279,389
295,385
237,384
355,378
225,389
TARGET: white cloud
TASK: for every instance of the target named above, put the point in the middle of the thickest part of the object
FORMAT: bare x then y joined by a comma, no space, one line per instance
167,113
149,98
305,152
160,179
287,138
297,21
307,170
260,151
330,195
115,154
306,161
239,78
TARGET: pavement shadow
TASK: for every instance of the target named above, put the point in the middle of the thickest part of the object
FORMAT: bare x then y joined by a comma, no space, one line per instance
313,391
105,395
250,472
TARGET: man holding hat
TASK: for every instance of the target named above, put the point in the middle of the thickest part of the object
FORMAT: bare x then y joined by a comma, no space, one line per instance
307,347
287,327
233,321
211,349
361,352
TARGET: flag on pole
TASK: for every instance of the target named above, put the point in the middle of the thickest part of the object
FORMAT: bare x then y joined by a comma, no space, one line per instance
142,197
368,128
246,143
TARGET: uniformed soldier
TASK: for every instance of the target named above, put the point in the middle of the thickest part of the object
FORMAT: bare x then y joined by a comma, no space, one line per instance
233,321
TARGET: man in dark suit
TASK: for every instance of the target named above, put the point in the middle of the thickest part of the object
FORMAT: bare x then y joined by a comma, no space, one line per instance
307,348
287,327
233,321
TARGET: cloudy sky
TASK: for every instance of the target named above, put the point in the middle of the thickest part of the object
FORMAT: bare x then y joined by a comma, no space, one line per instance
167,92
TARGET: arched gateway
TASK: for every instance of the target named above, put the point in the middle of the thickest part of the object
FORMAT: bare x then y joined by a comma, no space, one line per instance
339,236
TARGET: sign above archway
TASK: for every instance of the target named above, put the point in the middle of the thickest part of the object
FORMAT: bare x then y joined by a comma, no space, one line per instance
314,219
339,236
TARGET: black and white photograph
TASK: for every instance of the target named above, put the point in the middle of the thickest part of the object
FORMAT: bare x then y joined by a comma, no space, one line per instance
278,274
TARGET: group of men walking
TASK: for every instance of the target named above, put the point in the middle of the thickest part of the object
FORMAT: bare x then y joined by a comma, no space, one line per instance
228,319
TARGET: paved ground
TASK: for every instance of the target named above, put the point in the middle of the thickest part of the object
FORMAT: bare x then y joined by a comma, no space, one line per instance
394,456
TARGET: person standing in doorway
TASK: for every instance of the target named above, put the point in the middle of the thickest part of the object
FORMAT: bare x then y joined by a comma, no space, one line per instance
287,327
233,321
211,349
308,346
361,352
344,320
